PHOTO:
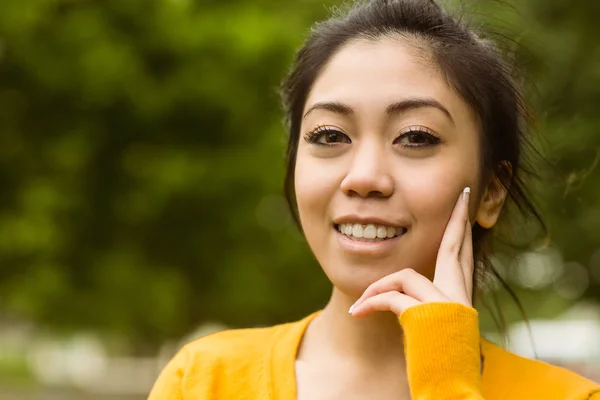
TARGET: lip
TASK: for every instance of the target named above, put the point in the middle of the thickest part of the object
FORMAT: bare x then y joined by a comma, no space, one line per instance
366,248
365,220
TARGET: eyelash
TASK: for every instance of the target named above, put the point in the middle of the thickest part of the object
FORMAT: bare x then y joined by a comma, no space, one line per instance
423,133
314,135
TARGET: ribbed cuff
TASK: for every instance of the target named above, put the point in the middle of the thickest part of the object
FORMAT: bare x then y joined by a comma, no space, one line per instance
441,341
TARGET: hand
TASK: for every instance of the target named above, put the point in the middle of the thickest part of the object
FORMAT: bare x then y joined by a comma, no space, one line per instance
453,278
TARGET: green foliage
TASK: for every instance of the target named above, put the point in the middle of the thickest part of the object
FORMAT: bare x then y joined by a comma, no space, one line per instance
141,158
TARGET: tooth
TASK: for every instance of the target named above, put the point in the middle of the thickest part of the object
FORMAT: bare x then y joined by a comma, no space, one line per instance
391,231
381,232
357,230
348,229
370,232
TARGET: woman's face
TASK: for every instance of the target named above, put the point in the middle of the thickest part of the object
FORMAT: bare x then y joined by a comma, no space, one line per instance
386,147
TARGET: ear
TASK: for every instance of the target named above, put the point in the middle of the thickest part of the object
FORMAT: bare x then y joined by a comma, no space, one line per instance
494,197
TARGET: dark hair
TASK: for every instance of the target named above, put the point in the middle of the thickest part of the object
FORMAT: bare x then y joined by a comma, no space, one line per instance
473,66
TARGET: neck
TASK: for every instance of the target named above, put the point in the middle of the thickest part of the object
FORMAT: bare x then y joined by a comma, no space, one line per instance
376,338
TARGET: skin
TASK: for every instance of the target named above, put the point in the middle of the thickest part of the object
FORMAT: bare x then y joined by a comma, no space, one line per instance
364,167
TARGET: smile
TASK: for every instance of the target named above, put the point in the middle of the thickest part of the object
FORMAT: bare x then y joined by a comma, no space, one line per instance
370,244
370,232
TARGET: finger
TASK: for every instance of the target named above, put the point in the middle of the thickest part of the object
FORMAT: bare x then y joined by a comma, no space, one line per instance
449,276
455,229
393,301
466,260
407,281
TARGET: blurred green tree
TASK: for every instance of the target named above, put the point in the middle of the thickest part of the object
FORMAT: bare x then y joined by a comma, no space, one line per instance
141,159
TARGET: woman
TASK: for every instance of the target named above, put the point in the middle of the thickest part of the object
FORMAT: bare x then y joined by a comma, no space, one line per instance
406,136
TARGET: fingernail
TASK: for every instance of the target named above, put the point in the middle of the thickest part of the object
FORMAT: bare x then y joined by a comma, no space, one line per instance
351,309
466,192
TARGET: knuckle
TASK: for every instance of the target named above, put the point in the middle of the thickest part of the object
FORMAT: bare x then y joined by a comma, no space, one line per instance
396,295
385,297
452,248
411,275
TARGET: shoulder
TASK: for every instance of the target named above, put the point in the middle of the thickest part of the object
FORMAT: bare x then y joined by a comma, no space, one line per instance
242,349
517,376
224,364
233,344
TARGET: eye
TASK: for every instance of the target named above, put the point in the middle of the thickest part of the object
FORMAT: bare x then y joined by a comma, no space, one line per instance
417,137
326,136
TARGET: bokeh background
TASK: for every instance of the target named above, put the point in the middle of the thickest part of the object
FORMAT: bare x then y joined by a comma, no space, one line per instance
141,168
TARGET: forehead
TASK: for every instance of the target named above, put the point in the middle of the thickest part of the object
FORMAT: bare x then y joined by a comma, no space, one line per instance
371,74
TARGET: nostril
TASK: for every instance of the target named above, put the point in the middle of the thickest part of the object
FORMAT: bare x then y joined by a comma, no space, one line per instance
372,193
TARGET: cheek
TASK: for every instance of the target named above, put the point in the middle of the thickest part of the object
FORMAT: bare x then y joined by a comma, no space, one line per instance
432,200
432,193
314,189
431,197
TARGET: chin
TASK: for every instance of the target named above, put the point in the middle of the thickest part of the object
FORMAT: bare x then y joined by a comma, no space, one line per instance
354,278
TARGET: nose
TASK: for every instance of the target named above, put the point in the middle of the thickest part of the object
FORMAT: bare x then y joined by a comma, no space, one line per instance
368,174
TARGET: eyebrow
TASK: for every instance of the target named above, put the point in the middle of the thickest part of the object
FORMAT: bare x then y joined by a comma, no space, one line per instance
394,108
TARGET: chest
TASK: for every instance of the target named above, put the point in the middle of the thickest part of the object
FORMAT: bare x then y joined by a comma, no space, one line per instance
327,383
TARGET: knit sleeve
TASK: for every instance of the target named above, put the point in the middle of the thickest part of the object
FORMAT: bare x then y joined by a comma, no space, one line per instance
170,381
442,346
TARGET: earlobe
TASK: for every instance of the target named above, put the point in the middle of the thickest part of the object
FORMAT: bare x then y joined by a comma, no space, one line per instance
493,199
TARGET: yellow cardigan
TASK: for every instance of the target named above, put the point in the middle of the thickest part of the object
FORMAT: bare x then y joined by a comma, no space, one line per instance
444,355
